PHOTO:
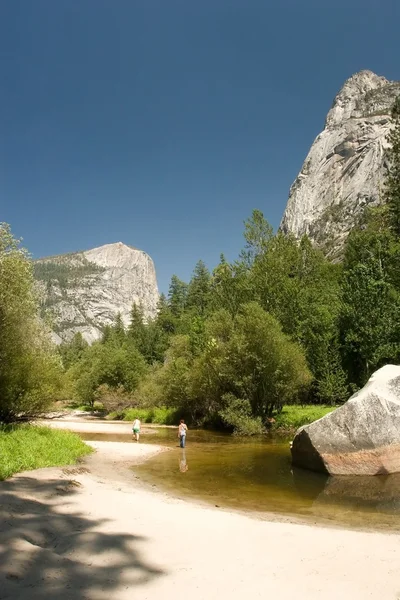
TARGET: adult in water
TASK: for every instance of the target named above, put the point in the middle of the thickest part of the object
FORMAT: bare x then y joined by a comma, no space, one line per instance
182,430
136,428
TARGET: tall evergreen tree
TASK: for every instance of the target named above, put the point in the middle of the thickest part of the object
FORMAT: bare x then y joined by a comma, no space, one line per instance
137,327
177,295
198,293
118,334
71,352
392,184
370,315
165,320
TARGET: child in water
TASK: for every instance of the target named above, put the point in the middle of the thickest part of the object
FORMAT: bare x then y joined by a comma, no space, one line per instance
136,428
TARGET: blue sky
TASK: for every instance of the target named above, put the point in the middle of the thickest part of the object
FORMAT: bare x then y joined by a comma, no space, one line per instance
163,123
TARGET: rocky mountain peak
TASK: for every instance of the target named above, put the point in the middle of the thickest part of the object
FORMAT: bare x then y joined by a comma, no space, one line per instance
344,169
84,291
117,255
348,102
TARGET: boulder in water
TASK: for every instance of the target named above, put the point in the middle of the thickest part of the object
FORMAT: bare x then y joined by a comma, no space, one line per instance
362,437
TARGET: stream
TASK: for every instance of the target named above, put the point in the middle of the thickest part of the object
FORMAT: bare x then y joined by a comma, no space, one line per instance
256,475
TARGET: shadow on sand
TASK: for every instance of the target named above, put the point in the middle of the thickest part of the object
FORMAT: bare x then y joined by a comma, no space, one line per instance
46,553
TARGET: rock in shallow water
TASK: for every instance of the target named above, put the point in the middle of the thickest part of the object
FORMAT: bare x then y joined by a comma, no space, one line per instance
362,437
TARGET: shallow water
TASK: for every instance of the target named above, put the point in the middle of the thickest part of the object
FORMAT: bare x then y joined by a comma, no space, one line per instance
256,475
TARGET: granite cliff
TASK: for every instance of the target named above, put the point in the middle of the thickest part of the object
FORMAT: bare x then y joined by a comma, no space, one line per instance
343,171
84,291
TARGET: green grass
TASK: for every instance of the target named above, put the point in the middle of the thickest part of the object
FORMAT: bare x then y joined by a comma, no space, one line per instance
291,417
295,416
27,447
159,416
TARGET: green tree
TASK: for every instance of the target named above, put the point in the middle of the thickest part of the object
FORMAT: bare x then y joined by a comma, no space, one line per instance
177,295
174,377
295,283
30,370
246,357
231,286
117,331
257,233
370,317
72,351
165,319
137,327
116,366
392,182
198,291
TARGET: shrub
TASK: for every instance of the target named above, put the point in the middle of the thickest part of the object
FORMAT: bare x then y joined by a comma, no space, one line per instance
237,415
157,415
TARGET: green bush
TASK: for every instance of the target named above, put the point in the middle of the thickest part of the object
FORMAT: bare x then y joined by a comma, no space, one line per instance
238,416
27,447
107,372
157,415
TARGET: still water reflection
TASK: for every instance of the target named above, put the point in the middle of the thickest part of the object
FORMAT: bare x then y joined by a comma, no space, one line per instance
257,475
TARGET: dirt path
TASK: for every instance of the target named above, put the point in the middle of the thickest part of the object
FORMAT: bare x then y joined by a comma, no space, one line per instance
89,532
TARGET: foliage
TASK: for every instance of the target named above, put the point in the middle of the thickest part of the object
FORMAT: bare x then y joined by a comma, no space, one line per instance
279,326
159,415
199,288
392,183
26,447
177,296
30,371
72,352
371,336
64,271
293,417
237,414
247,357
115,363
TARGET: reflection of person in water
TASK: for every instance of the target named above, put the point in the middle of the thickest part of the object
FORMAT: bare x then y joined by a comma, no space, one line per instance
183,466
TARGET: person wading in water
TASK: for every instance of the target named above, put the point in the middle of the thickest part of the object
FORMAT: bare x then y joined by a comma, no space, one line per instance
182,430
136,429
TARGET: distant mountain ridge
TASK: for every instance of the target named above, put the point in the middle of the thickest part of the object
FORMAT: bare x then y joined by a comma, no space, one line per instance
344,169
84,291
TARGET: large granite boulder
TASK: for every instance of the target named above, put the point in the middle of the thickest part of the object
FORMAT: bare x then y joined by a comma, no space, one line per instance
362,437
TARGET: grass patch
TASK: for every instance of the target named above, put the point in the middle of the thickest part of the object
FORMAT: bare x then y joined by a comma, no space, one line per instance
157,415
27,447
295,416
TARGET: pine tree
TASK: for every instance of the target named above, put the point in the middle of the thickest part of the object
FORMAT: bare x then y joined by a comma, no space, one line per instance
198,294
392,187
136,329
165,320
177,295
118,334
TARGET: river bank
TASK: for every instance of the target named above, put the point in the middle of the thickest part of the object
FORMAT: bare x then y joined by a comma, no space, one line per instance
92,532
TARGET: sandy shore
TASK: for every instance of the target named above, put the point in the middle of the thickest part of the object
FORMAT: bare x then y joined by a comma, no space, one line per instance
88,532
89,426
